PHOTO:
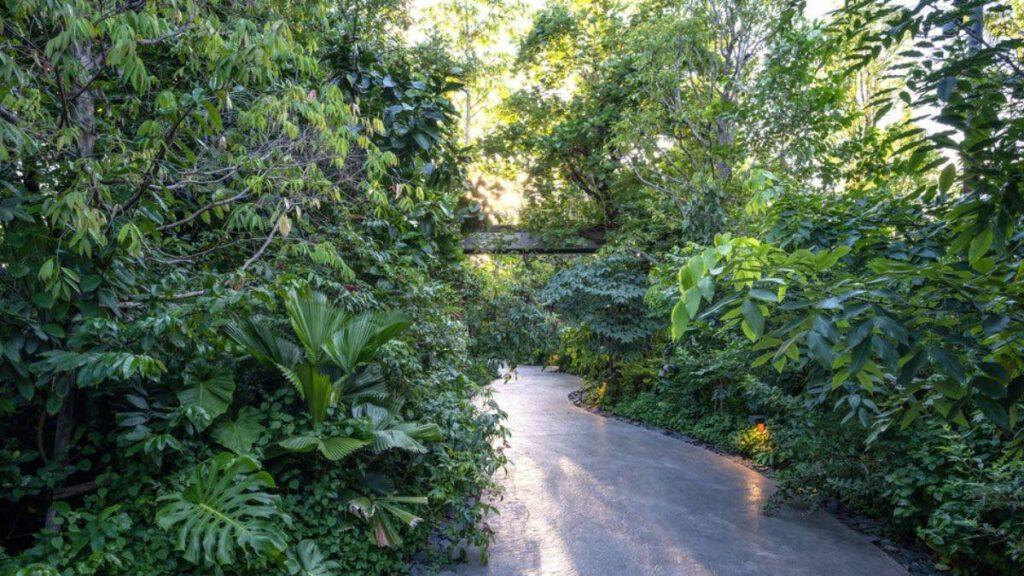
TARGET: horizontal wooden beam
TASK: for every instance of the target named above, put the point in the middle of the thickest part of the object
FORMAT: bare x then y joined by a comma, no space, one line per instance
511,241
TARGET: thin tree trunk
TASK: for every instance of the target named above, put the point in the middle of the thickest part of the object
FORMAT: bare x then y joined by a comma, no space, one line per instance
83,114
61,440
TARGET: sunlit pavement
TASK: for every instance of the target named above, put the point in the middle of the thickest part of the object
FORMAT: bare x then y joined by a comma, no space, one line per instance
595,496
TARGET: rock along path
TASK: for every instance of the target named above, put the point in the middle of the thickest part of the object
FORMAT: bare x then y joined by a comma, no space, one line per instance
594,496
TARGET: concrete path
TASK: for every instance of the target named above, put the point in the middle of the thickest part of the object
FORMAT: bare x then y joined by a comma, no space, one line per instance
594,496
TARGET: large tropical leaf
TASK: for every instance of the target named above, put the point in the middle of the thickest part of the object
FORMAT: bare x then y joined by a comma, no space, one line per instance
314,386
224,510
389,432
207,399
364,385
240,434
360,338
333,448
307,560
314,319
262,343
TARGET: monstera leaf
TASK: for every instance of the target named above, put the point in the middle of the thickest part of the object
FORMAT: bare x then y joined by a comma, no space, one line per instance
307,560
240,434
207,399
224,510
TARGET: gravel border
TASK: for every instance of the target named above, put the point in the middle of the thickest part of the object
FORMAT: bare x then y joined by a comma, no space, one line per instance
913,556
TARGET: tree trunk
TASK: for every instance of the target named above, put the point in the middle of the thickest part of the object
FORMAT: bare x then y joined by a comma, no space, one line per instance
61,440
83,114
723,129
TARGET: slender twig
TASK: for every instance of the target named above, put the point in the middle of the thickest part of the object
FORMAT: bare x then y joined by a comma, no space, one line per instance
203,210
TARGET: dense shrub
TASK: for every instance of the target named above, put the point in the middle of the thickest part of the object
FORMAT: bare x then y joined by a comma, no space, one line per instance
171,175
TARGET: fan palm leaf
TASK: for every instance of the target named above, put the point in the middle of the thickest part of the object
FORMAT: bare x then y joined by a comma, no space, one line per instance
260,341
360,338
381,512
389,432
315,388
314,319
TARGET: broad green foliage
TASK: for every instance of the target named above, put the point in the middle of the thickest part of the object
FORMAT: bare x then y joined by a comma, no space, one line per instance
171,172
601,302
508,322
223,510
605,296
307,560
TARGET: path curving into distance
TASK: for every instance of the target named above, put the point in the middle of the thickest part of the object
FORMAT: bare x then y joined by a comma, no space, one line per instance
594,496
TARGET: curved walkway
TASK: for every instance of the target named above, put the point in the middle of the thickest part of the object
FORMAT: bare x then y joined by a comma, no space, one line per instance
595,496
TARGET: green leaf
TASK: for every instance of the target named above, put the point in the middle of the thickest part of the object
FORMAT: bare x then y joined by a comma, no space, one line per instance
763,294
948,363
993,410
337,447
333,448
211,397
946,177
979,246
307,560
949,388
224,510
706,285
679,319
753,320
692,299
240,434
910,369
989,387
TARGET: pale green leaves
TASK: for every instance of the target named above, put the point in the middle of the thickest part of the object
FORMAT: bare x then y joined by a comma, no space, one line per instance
733,265
696,284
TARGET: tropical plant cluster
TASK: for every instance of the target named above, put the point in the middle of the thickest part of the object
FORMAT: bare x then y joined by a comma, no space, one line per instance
229,280
814,223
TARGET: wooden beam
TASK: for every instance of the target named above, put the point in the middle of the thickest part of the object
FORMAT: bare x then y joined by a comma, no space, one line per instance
501,240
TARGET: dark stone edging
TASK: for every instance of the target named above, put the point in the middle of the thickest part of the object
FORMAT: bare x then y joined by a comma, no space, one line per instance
916,559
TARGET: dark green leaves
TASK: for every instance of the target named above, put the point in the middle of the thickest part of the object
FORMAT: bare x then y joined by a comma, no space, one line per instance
948,363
